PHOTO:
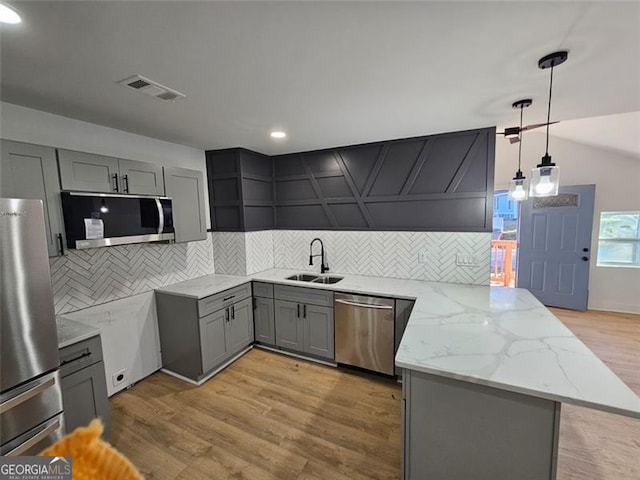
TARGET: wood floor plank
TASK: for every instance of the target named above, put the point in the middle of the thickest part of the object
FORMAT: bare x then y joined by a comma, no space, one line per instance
274,417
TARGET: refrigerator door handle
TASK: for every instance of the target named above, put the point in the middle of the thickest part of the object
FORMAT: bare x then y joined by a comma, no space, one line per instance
24,396
41,435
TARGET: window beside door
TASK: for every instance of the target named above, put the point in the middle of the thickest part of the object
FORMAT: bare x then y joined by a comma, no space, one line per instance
619,239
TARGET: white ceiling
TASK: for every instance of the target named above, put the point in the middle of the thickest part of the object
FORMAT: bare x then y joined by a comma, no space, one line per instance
329,74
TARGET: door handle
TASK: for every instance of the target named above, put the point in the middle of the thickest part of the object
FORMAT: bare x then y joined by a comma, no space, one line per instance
226,315
24,396
37,438
585,249
298,310
60,244
125,183
585,259
304,311
233,312
115,183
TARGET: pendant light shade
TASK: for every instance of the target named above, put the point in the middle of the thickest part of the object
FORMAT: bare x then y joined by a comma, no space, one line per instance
519,185
545,178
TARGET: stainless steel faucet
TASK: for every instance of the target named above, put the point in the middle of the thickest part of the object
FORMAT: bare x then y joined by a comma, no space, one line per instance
323,265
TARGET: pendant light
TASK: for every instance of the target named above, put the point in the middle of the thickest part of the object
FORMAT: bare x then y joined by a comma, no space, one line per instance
519,185
545,178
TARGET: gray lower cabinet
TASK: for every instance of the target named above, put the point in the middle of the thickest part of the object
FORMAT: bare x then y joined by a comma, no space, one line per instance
198,336
289,333
186,188
84,387
264,320
304,327
30,171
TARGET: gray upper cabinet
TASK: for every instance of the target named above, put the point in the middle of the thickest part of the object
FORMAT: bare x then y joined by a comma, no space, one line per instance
141,178
88,172
186,188
289,331
29,171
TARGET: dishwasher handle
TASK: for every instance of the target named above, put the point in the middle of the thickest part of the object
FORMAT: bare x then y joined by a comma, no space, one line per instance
364,305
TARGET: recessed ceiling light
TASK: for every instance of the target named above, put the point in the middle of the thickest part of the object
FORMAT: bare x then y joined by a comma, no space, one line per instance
278,134
9,15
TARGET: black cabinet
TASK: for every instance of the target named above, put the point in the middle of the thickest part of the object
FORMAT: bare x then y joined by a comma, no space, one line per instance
84,387
438,182
240,190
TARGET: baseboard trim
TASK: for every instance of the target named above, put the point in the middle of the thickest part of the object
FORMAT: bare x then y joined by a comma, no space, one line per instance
214,372
296,355
615,307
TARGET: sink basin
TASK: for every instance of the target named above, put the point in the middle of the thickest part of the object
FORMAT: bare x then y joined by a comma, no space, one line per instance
303,277
328,280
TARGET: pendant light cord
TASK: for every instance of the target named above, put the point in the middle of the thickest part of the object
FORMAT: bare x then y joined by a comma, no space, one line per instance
520,142
549,111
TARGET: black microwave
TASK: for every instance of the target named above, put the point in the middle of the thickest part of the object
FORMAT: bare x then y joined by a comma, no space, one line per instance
103,219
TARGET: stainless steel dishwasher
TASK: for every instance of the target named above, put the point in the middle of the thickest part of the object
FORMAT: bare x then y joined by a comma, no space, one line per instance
365,332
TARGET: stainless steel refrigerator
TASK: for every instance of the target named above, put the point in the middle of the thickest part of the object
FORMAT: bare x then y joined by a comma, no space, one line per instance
31,415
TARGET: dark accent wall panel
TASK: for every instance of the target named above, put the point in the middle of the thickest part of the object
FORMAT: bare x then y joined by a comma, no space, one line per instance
434,183
241,190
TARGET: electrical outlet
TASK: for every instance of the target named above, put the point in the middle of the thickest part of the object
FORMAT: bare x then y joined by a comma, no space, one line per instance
119,378
463,260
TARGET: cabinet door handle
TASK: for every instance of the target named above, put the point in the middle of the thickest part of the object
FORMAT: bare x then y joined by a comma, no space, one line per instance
125,183
60,244
226,315
115,183
233,312
298,310
304,311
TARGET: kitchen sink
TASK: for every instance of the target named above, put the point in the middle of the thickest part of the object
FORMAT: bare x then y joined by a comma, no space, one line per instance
302,277
328,280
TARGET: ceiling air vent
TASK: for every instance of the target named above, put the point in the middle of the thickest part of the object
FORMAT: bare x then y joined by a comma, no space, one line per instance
151,88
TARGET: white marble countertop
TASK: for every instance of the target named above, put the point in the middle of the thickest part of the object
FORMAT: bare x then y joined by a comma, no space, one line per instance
499,337
70,331
202,287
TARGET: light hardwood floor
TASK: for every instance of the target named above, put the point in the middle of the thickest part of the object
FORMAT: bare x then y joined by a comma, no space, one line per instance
268,416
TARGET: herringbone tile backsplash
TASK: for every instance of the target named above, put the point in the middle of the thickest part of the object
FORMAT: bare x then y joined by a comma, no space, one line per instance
389,254
84,278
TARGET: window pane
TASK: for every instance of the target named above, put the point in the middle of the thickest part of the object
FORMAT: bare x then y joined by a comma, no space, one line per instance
620,225
616,252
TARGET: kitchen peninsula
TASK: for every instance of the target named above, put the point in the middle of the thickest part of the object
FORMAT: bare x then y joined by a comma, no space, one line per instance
486,370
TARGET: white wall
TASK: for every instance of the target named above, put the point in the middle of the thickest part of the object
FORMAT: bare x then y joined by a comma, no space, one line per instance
34,126
617,180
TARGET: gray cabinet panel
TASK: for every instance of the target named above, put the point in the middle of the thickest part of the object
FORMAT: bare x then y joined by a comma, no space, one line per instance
88,172
223,299
84,396
186,188
264,320
458,430
289,327
313,296
240,325
318,331
261,289
213,339
30,171
141,178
